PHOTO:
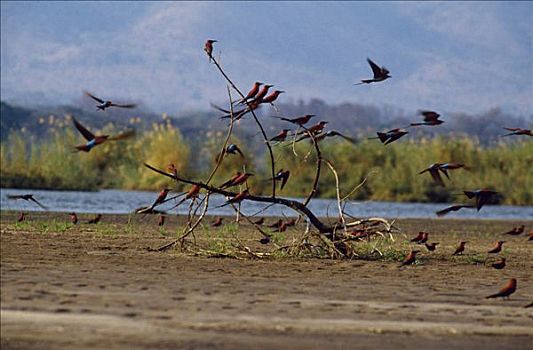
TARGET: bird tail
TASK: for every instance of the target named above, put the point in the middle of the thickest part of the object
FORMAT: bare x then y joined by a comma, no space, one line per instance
382,136
469,194
493,296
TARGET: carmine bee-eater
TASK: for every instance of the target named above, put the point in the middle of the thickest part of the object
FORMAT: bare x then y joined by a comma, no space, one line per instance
26,197
431,118
506,291
315,129
272,97
251,94
230,149
106,104
461,248
390,136
433,170
161,220
497,248
172,168
237,199
281,136
237,179
515,231
301,121
444,167
500,264
260,222
281,228
276,224
97,140
95,220
21,217
262,93
208,48
432,246
453,208
410,258
291,222
380,73
518,131
237,115
159,200
482,196
418,237
73,218
424,238
282,176
530,236
217,222
333,133
192,193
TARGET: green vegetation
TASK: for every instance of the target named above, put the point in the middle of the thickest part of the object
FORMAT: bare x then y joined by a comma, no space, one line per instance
28,162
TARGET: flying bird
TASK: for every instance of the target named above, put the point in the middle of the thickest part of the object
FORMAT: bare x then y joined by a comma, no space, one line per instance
230,149
431,118
497,248
482,196
103,104
461,248
433,170
410,258
518,131
301,121
506,291
26,197
282,176
73,218
453,208
432,246
208,48
333,133
95,220
390,136
380,73
500,264
444,167
97,140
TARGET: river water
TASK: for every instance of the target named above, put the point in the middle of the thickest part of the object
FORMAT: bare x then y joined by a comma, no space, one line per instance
122,202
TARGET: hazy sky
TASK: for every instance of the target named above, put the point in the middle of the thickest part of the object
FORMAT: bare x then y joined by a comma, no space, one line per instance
451,57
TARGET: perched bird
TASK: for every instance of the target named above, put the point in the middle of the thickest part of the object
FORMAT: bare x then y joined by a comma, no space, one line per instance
497,248
282,176
500,264
380,73
106,104
208,48
453,208
515,231
272,97
410,258
518,131
161,197
217,222
482,196
431,118
432,246
390,136
95,220
251,94
192,193
281,136
433,170
237,199
235,181
301,121
260,222
506,291
262,93
461,248
97,140
315,129
26,197
231,180
73,218
161,221
172,168
21,217
418,237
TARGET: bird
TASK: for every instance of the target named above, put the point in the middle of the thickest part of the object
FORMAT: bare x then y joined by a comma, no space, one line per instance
515,231
242,178
482,196
161,220
500,264
418,237
518,131
159,200
26,197
380,73
277,224
461,248
530,236
231,180
291,222
259,222
410,258
301,121
431,118
272,97
217,222
264,240
315,129
424,238
236,199
237,115
281,136
444,167
528,305
332,133
506,291
208,48
431,246
103,104
453,208
251,94
95,220
281,228
433,170
21,217
97,140
192,193
390,136
282,176
73,218
497,248
262,93
230,149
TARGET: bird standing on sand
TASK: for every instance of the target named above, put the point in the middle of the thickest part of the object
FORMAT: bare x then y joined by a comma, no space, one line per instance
217,222
410,258
97,140
431,118
461,248
515,231
106,104
418,237
26,197
21,217
380,73
208,48
73,218
95,220
497,248
431,246
500,264
506,291
161,220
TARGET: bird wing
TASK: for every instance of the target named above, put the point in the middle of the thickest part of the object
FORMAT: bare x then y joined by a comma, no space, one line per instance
512,129
375,68
131,105
37,202
430,116
94,97
285,178
220,108
123,135
86,133
436,176
344,137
